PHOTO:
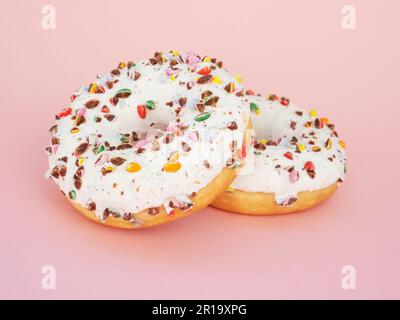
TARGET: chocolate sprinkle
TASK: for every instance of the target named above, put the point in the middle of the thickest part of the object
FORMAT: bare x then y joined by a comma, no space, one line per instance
124,146
232,126
117,161
92,104
81,149
204,79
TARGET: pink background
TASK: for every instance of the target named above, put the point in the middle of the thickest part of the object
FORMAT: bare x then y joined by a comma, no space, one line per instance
293,48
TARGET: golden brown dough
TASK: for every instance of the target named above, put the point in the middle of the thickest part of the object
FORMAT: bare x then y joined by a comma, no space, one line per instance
201,200
259,203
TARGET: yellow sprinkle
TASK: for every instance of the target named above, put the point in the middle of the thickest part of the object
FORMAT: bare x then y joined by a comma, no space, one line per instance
92,88
133,167
172,166
258,111
342,144
81,161
217,80
174,157
175,52
313,113
163,59
172,77
325,120
197,181
230,189
207,59
239,78
263,141
301,147
121,65
109,169
74,130
328,144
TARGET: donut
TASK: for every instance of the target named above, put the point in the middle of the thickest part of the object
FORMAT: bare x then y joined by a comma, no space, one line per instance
150,142
299,161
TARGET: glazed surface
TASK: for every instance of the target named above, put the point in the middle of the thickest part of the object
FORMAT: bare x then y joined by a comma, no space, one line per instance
294,151
147,135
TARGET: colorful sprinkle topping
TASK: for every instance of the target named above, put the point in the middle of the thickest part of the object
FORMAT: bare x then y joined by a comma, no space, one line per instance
150,104
65,112
313,113
202,117
301,147
204,71
141,110
288,155
254,107
100,149
293,176
123,93
72,194
172,167
285,101
133,167
217,80
92,135
238,78
91,104
309,166
230,87
205,79
92,88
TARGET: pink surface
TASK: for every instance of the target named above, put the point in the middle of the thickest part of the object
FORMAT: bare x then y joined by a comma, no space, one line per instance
293,48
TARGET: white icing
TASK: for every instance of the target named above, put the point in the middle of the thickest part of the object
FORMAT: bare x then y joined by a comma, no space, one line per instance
270,173
151,186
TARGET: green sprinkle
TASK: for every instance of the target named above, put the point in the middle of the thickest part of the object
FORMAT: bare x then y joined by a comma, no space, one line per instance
150,104
202,116
72,194
123,138
100,149
253,106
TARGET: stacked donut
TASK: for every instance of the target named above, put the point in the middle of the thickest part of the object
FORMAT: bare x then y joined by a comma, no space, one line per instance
299,160
159,139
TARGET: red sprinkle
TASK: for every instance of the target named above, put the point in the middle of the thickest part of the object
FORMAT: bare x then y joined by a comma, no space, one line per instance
244,149
65,112
73,97
250,92
204,71
289,155
105,109
309,166
284,101
141,110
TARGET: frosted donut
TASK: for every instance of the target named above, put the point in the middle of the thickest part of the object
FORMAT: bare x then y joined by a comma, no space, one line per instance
150,142
299,161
